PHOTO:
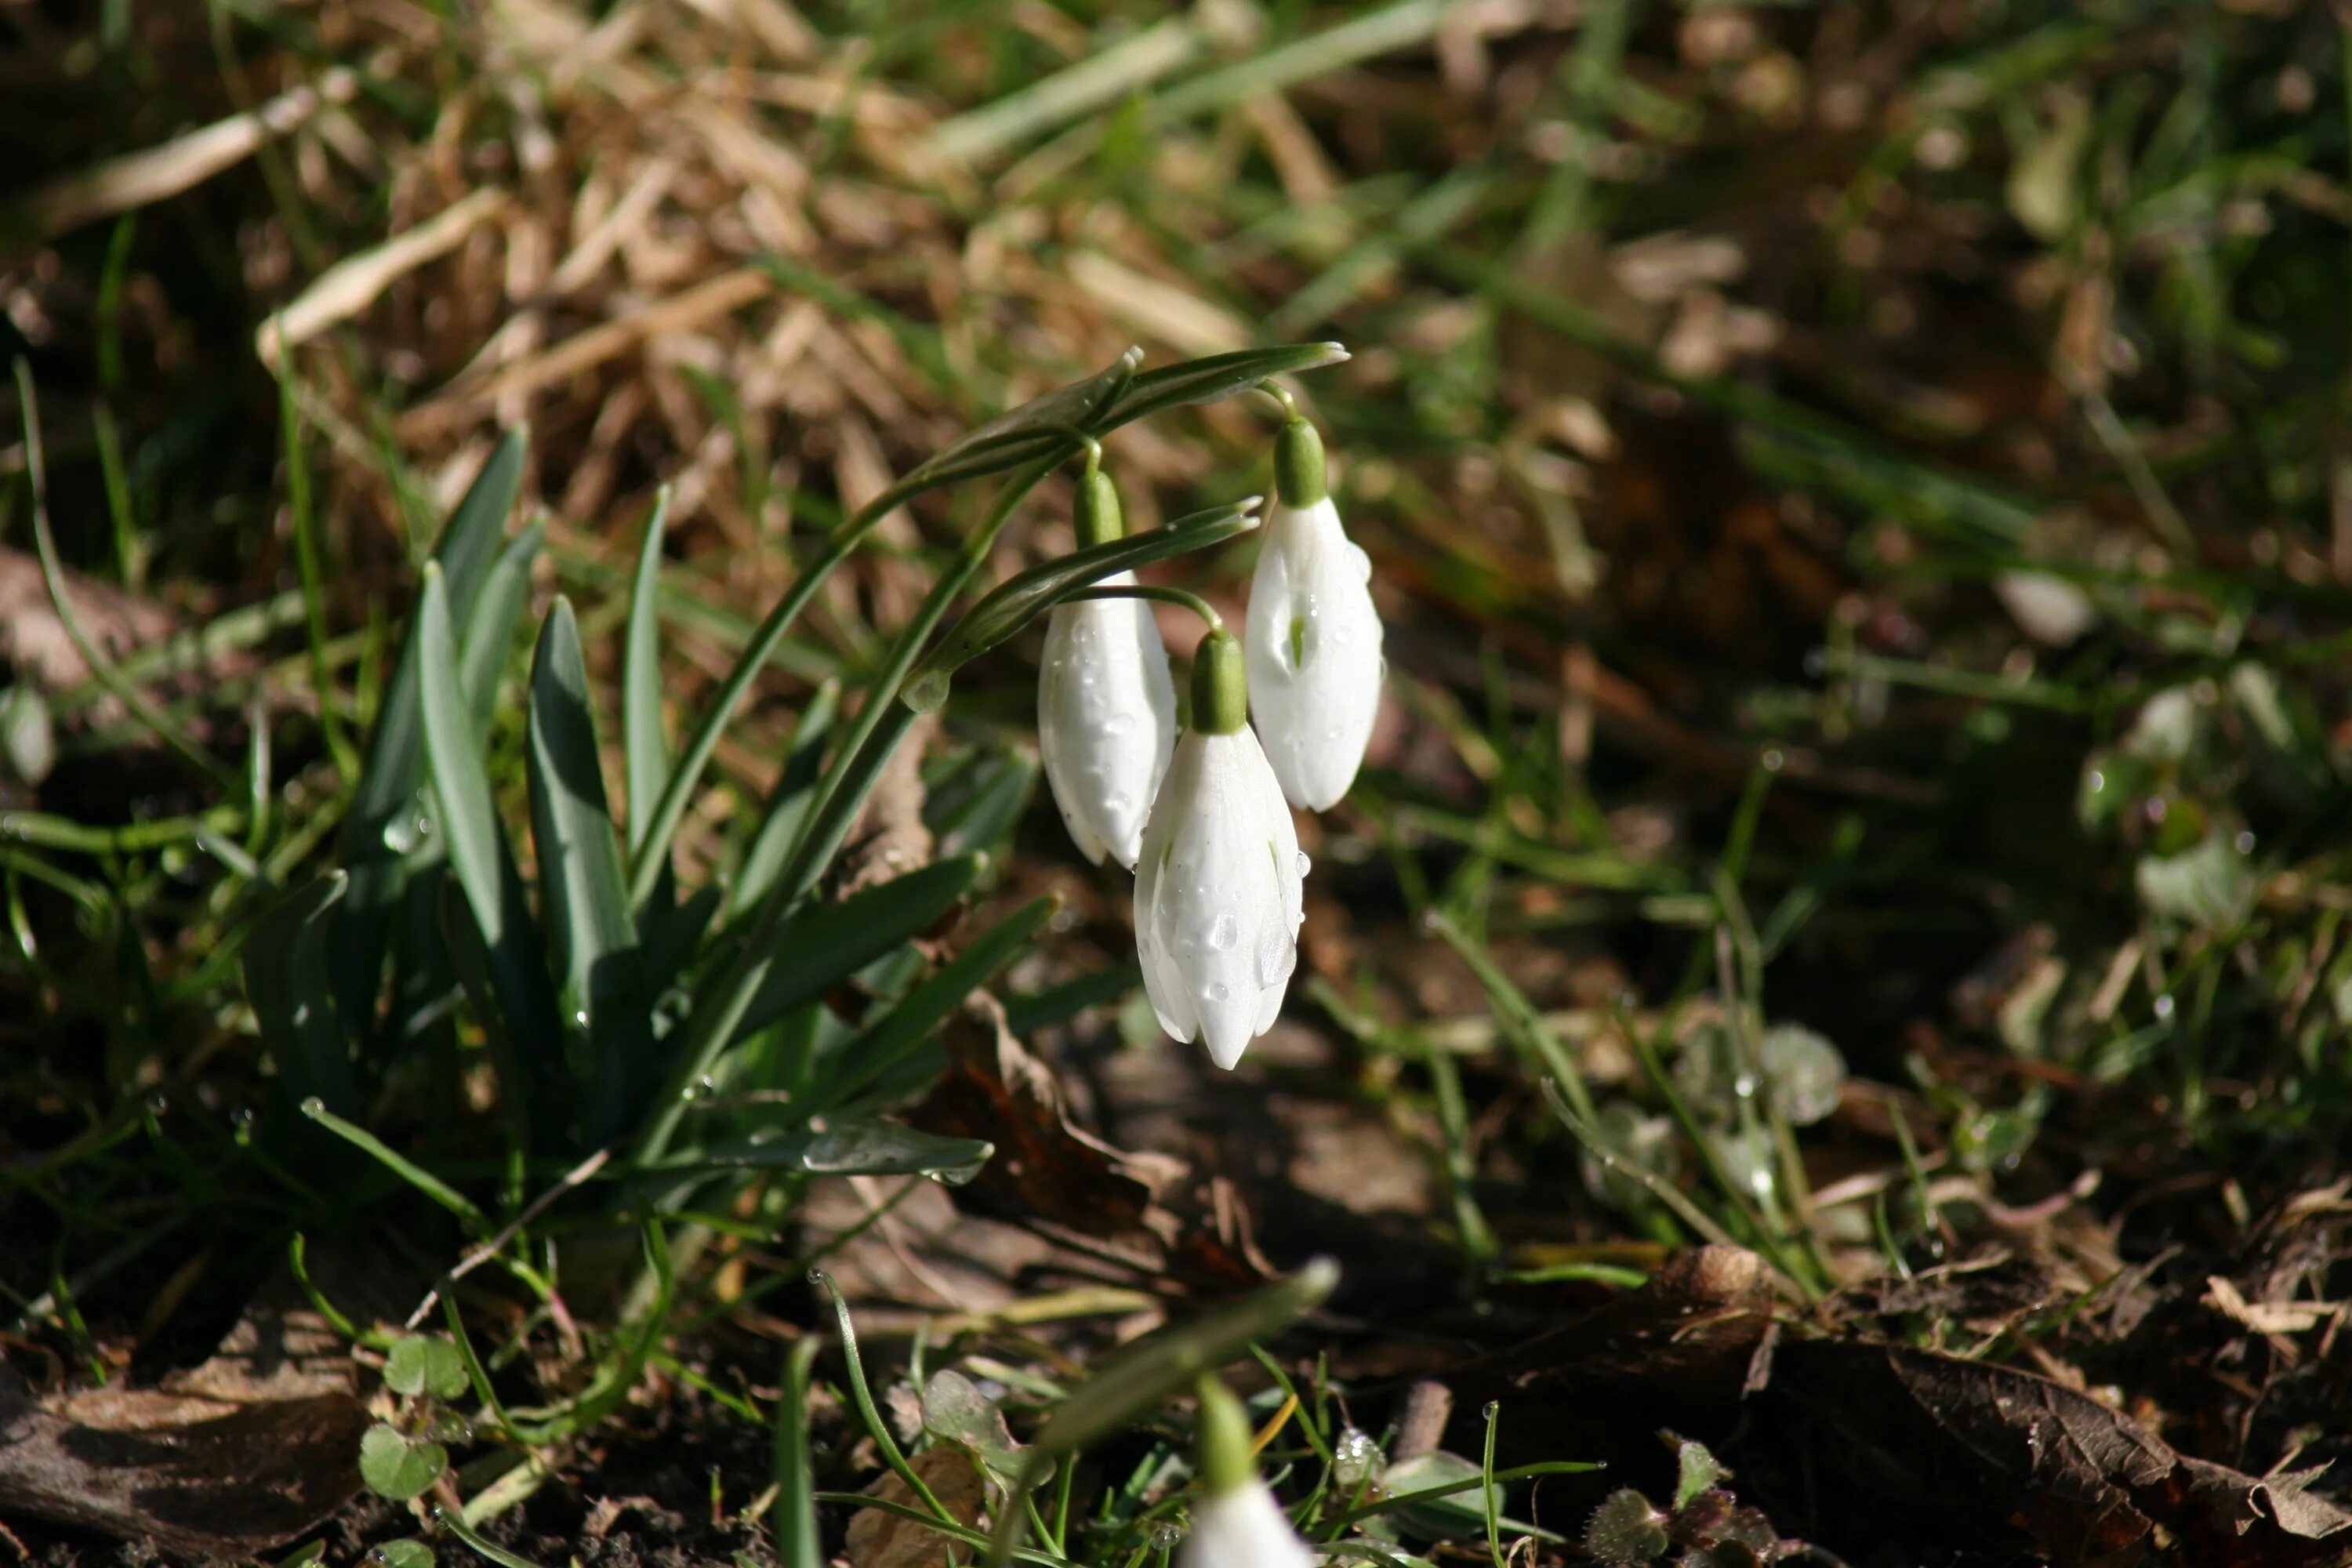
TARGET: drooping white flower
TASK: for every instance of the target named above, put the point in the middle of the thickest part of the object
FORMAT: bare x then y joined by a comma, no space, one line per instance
1314,665
1218,892
1106,720
1237,1523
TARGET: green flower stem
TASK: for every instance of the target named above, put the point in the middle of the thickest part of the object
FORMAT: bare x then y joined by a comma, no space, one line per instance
881,724
1193,602
653,854
1281,394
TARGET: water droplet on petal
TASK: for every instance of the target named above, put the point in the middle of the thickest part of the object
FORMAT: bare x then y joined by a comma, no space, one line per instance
1303,864
1215,991
1223,934
1119,724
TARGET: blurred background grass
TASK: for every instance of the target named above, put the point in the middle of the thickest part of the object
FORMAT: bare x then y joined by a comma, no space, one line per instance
1861,496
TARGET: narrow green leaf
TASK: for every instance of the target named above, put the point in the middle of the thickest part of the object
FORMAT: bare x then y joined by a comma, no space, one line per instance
455,1523
1021,599
788,803
286,980
399,1164
487,637
981,799
583,892
870,1057
1031,431
819,947
642,741
387,785
470,823
856,1149
1210,380
793,1520
483,864
666,938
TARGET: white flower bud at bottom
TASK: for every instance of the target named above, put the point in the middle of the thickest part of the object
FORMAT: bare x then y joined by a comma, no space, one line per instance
1219,895
1245,1528
1106,720
1314,665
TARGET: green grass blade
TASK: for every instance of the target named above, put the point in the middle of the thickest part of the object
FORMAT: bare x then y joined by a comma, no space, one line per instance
480,859
853,1149
642,741
583,892
400,1165
788,803
285,979
817,948
396,766
470,822
870,1057
794,1518
487,636
1210,380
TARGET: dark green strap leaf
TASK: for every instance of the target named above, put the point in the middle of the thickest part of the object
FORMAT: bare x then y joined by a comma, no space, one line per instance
642,741
870,1057
395,765
487,637
584,892
1031,431
286,980
1211,380
480,858
819,947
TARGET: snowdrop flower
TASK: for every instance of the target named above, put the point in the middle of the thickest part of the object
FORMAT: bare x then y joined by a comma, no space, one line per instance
1237,1523
1217,893
1106,706
1315,664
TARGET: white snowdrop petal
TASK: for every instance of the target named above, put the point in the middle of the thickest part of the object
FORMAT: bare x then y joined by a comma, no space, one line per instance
1314,648
1106,720
1217,896
1242,1529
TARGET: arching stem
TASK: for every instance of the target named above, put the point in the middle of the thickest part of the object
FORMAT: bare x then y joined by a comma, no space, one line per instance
1193,602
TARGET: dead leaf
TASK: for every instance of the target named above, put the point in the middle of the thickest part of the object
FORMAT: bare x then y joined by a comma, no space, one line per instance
880,1539
1962,1440
1056,1176
2230,1508
240,1452
188,1473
